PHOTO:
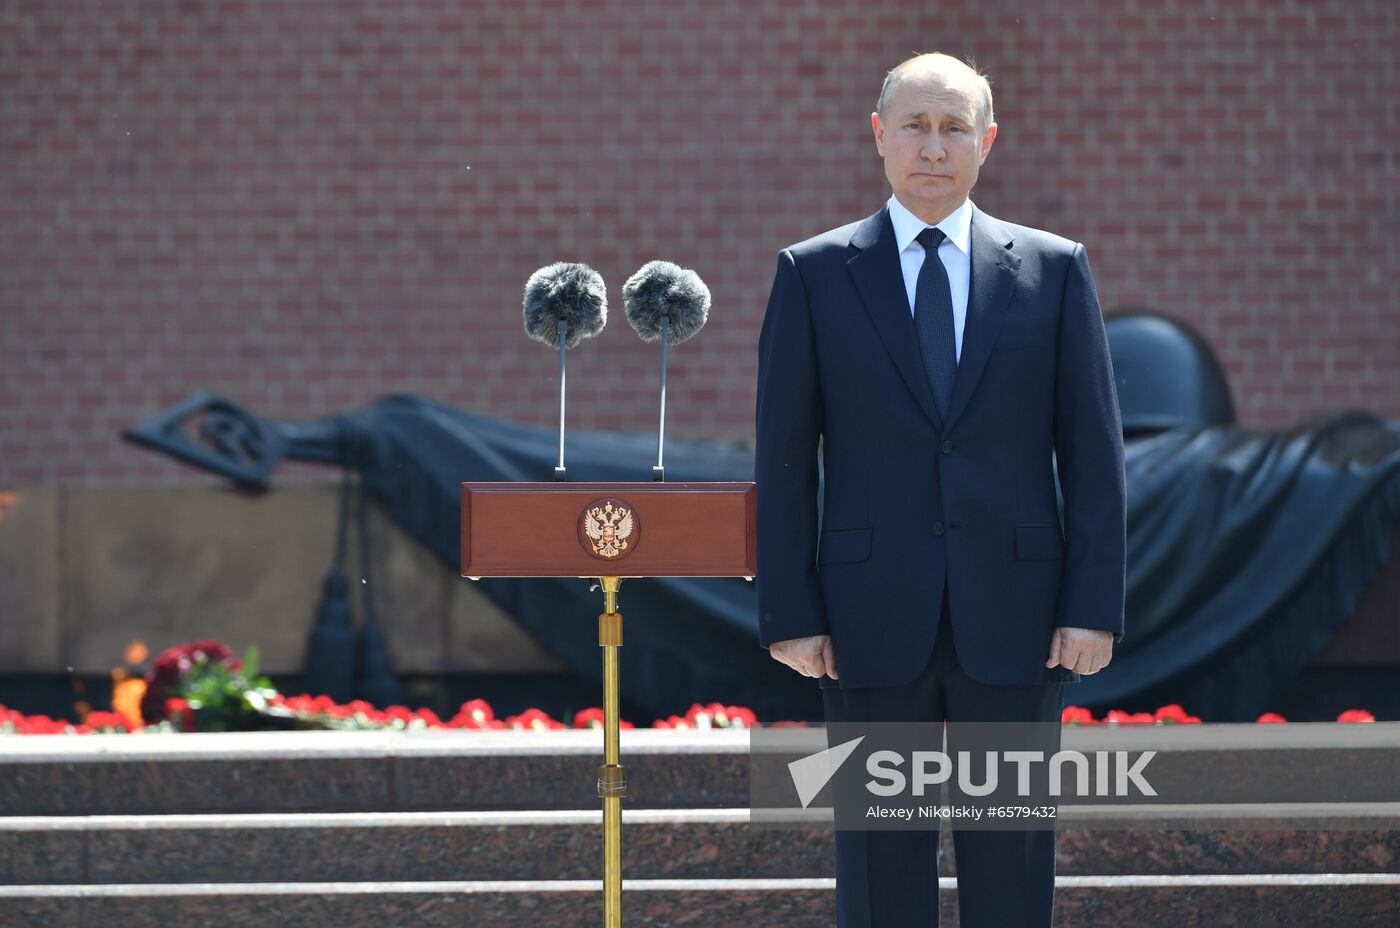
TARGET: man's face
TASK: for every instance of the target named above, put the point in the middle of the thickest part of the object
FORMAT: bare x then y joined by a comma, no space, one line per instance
930,143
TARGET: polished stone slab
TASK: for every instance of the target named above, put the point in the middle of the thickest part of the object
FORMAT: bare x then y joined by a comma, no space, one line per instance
165,565
53,850
486,770
31,631
1320,901
657,844
363,771
698,844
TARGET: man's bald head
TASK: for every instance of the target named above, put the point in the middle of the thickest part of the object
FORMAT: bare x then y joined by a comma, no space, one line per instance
952,71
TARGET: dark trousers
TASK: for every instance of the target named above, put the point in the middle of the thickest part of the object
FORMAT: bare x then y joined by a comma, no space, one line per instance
889,879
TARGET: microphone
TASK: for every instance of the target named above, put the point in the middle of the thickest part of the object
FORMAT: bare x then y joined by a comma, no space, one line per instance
666,303
564,304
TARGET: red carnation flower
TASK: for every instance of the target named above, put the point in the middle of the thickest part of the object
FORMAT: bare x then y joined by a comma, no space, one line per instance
1172,713
98,719
534,719
179,712
589,718
1119,717
478,709
740,717
1356,715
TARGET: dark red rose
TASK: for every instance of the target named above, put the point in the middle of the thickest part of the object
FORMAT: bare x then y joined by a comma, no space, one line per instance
171,665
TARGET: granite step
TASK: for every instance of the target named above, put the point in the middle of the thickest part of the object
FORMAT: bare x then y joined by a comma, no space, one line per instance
529,771
657,844
396,846
1294,901
240,772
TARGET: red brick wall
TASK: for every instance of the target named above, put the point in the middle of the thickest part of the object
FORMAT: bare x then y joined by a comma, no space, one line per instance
307,205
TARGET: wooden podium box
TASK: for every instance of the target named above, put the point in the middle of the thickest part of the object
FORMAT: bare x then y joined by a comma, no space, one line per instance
611,531
672,530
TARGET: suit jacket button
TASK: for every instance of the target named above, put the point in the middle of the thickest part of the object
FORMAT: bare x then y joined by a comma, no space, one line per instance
947,447
938,528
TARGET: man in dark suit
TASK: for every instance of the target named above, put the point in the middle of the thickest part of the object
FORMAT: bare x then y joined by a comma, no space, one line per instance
948,367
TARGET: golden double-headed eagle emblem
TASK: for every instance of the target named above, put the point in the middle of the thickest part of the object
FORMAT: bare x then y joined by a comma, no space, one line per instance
609,528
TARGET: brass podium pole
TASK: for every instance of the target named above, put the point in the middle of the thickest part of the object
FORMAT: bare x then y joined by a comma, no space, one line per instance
574,530
612,783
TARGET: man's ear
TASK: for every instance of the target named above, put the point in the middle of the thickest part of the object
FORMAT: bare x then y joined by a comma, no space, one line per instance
987,140
879,131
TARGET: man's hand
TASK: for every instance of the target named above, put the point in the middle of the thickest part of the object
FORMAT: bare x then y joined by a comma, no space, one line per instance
810,657
1083,650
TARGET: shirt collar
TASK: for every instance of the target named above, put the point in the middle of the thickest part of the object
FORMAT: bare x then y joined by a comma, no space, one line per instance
957,225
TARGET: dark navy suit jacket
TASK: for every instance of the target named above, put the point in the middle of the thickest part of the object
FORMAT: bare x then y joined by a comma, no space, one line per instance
909,497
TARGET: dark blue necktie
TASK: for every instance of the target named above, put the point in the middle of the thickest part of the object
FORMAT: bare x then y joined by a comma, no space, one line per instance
933,320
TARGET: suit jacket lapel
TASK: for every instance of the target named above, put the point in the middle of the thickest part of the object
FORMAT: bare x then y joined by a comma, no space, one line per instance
880,281
994,268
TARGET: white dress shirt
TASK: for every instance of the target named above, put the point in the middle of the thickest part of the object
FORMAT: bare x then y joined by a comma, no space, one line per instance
955,252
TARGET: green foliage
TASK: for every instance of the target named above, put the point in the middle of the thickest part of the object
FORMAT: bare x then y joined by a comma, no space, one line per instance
225,699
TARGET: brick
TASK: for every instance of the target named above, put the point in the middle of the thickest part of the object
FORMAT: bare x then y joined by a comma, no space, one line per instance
297,226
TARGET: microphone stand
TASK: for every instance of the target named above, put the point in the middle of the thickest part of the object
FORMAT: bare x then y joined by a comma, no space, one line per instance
559,472
658,470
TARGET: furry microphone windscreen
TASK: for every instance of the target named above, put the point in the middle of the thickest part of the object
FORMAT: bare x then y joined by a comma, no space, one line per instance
662,287
572,292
